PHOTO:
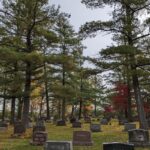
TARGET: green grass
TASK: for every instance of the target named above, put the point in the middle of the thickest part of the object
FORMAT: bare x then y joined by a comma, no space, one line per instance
111,133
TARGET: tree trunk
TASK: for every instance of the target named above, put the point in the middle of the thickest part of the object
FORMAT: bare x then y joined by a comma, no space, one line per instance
40,111
139,102
3,110
80,108
95,103
64,99
13,110
63,109
59,109
20,106
129,103
129,92
26,98
72,111
81,102
46,93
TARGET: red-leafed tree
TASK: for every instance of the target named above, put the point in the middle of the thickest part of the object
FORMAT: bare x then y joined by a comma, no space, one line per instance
120,100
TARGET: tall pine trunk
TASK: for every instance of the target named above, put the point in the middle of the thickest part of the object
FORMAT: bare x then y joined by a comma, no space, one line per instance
26,98
81,101
20,106
59,109
46,94
3,109
95,102
136,87
64,99
139,101
129,101
80,108
72,111
13,103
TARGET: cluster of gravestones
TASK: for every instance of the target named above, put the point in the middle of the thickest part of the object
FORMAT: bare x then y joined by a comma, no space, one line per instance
137,137
3,126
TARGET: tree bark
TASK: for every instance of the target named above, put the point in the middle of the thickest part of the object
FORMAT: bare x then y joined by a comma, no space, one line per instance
95,102
13,102
139,102
26,98
129,103
81,101
3,110
46,93
59,109
64,99
20,106
72,111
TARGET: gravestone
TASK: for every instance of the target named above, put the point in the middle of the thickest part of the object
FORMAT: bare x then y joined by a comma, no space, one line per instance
61,123
72,120
40,126
39,138
95,127
104,121
3,126
123,121
58,145
87,120
82,138
76,124
129,126
139,137
117,146
19,128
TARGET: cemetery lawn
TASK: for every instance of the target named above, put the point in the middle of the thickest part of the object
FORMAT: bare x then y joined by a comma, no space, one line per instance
111,133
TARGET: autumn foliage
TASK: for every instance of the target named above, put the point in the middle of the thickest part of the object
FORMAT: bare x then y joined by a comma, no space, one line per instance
120,100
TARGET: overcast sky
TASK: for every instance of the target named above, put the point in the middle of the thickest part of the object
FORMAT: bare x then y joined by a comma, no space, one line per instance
79,15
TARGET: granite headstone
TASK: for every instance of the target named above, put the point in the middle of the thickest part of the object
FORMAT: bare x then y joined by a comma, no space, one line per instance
39,138
3,126
104,121
117,146
76,124
82,138
129,126
61,123
95,127
139,137
58,145
19,128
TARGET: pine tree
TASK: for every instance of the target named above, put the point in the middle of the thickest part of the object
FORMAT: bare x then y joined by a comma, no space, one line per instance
125,27
24,25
